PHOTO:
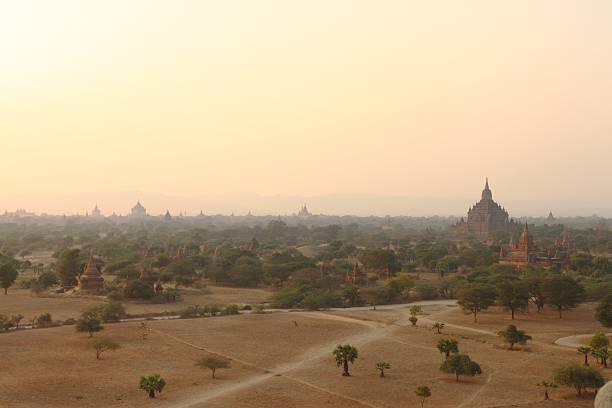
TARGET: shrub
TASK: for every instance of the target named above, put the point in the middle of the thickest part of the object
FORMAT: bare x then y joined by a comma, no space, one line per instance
111,312
43,320
287,298
321,300
425,291
139,290
191,312
603,313
231,310
578,377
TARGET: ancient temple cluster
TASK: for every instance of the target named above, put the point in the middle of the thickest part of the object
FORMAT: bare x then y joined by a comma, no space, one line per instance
525,251
486,217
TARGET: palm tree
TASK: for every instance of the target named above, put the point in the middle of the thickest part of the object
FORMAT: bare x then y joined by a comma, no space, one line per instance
603,354
438,326
585,350
448,346
423,392
382,366
345,354
152,384
547,385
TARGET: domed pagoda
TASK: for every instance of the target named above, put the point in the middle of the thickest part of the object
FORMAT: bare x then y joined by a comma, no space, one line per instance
91,279
138,211
486,216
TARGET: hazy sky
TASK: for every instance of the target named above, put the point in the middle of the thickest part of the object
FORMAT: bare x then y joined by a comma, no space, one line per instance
415,98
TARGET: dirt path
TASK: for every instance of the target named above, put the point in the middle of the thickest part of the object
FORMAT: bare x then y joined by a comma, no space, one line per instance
312,356
576,341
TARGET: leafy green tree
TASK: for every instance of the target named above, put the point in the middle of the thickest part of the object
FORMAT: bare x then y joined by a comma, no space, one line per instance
316,300
8,275
380,259
563,292
89,322
586,351
111,312
603,354
536,294
512,335
513,295
423,393
375,296
69,266
438,326
603,313
460,364
447,346
476,297
213,363
139,290
247,271
579,377
442,267
382,366
548,386
345,354
599,340
352,297
102,344
152,384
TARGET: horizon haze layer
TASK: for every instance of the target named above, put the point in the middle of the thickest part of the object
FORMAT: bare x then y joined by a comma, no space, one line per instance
279,204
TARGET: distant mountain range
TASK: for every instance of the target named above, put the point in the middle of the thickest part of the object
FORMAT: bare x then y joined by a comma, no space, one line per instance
242,203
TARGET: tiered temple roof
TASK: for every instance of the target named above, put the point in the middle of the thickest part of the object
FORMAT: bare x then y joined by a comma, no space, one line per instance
486,216
91,279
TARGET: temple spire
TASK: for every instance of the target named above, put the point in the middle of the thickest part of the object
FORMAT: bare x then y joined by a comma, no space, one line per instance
486,193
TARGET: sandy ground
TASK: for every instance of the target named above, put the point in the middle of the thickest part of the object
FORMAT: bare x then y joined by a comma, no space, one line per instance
284,360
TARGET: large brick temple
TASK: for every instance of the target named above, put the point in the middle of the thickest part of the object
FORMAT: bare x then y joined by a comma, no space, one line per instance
486,216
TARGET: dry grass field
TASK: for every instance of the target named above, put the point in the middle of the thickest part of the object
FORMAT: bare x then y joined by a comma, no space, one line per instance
284,360
63,307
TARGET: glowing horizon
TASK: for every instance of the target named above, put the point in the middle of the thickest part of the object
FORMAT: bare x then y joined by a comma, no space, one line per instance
193,98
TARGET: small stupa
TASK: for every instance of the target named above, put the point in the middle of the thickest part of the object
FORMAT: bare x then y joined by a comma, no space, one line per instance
91,279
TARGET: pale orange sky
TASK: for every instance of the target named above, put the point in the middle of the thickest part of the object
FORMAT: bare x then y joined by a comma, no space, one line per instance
307,97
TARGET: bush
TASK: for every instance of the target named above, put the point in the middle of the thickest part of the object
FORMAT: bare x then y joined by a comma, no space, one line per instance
579,377
287,298
425,291
231,310
139,290
112,312
167,296
191,312
321,300
43,320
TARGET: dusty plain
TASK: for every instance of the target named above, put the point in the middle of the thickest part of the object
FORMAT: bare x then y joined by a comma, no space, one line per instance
283,359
